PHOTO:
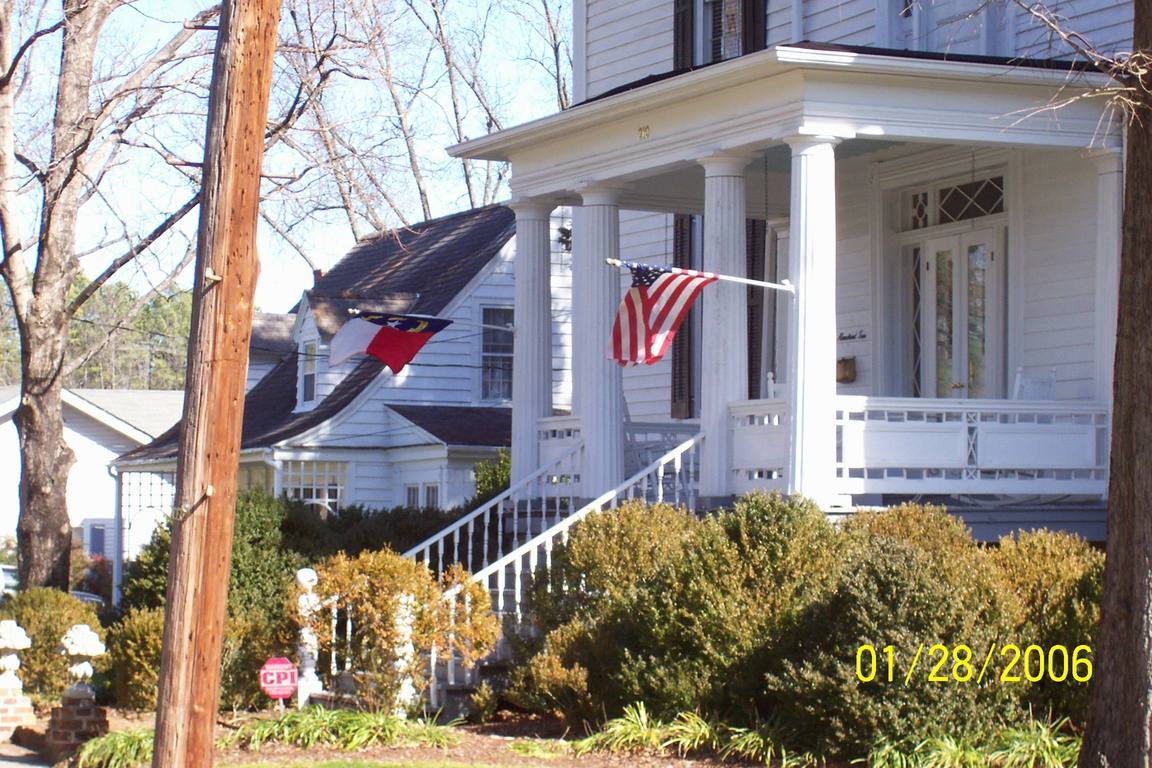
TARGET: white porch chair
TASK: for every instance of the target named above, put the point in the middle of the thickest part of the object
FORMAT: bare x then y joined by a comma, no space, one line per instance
1034,388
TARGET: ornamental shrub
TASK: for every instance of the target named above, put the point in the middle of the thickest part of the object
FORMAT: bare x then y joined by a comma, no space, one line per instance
653,604
134,645
46,615
371,589
890,592
1057,578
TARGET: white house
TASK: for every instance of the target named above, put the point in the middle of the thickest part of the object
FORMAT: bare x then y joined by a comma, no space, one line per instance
99,425
953,243
356,433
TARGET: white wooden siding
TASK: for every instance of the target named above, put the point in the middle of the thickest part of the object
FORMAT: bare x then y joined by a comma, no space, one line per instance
851,22
1058,244
1106,24
854,315
626,40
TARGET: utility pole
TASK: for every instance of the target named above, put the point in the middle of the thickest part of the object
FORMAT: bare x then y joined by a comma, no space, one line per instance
226,270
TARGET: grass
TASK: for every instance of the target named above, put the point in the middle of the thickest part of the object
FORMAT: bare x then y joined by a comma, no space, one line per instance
539,750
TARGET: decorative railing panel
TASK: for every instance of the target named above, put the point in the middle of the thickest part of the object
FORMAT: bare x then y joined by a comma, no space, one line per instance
909,445
759,434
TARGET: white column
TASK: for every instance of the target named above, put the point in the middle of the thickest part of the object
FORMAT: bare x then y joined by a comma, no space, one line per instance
598,382
1109,208
812,337
532,346
724,314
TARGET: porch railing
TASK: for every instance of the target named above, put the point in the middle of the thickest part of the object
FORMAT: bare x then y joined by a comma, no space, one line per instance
908,445
759,434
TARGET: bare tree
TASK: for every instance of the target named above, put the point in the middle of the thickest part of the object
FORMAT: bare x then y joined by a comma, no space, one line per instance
92,114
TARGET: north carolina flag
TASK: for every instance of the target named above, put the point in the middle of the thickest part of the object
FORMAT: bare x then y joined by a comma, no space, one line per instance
392,339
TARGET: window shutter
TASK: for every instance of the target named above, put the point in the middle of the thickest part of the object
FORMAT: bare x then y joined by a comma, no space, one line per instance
753,32
682,34
683,354
757,232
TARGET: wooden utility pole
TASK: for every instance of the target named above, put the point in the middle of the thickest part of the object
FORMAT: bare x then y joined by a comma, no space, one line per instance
226,269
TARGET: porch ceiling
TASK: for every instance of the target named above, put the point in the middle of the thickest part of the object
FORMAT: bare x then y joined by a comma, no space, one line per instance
640,138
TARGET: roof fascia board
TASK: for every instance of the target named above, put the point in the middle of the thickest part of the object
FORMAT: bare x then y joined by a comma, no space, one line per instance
757,66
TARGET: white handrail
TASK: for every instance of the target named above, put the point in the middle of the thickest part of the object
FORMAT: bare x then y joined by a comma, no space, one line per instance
610,498
489,517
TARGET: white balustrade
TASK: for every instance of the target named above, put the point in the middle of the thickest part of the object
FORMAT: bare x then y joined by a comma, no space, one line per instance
759,433
917,445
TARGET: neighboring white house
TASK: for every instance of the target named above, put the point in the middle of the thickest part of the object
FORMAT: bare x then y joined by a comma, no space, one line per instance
99,425
953,244
356,433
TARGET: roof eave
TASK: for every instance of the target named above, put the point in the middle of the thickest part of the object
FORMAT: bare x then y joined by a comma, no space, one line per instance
500,146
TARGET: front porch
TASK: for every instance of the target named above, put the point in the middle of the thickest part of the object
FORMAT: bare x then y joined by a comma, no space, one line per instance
950,241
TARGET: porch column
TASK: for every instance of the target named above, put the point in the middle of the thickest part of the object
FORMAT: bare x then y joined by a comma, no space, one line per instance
812,326
724,315
1109,208
532,345
598,396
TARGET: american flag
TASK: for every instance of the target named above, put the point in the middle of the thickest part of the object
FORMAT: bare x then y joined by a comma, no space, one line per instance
652,310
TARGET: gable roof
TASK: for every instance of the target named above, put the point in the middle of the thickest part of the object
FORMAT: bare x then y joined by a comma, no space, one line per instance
426,265
417,269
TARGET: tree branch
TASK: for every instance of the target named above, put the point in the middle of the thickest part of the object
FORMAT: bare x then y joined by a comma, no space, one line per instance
131,254
7,76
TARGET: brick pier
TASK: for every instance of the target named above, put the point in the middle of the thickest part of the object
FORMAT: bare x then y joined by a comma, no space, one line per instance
76,721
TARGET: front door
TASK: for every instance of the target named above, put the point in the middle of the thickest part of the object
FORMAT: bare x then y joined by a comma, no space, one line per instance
962,315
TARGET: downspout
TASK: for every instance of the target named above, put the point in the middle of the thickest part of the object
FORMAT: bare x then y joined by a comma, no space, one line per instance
118,519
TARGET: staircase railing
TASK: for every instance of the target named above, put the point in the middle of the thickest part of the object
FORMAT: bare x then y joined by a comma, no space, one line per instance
671,478
486,533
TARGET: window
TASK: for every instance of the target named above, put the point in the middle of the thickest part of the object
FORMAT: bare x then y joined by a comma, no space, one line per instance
412,496
96,540
317,483
308,373
432,496
948,203
496,355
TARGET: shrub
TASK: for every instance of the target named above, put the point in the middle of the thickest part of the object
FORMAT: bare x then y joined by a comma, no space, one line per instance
652,604
372,589
492,478
146,577
1057,578
889,592
341,729
46,615
134,645
119,749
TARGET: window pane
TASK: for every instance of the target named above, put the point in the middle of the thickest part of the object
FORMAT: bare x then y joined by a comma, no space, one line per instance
496,378
497,342
944,345
977,319
412,495
432,496
969,201
917,312
96,540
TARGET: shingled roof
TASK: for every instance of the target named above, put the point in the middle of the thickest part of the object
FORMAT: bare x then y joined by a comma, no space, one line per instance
418,269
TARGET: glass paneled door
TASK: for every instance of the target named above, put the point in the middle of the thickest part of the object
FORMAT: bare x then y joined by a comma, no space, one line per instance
962,315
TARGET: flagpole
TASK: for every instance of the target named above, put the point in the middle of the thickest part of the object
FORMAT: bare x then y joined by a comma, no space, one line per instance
460,323
785,286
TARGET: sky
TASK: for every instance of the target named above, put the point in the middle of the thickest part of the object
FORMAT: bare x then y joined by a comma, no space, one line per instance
149,189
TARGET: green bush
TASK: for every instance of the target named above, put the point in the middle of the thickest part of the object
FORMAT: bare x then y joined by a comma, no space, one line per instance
134,645
889,593
492,478
1057,578
46,615
652,604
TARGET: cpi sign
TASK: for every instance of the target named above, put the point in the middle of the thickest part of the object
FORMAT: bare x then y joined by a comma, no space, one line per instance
278,678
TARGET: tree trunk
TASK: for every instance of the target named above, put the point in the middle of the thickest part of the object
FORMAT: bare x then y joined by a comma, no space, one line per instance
44,531
1120,710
